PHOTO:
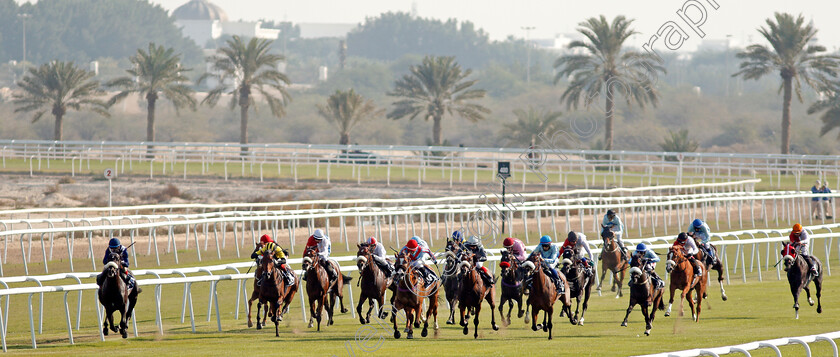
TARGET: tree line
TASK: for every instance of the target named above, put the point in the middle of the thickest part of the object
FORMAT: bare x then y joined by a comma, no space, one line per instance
438,87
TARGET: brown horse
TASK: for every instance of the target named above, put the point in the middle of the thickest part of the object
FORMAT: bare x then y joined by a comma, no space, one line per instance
712,264
682,278
647,295
409,297
275,290
543,295
512,280
114,295
255,295
612,260
318,287
451,283
580,284
473,292
372,281
799,276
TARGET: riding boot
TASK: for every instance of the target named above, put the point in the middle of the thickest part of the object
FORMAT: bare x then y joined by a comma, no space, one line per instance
623,252
812,266
488,280
330,271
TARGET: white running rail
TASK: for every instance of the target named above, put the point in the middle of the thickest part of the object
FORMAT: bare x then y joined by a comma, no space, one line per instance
773,344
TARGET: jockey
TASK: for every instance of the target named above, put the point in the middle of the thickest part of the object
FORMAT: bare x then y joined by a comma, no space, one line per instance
115,247
515,247
379,256
691,250
268,245
458,237
799,239
548,252
416,250
612,222
577,241
322,243
474,246
701,230
647,259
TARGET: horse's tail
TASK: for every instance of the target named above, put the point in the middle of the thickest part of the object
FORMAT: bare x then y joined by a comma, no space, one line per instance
346,278
661,306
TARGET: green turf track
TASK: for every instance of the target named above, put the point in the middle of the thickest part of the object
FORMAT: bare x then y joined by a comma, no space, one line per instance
345,173
755,311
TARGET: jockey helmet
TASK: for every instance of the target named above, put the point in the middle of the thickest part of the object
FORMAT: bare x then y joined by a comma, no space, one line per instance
473,241
318,234
457,236
641,247
412,245
371,241
508,242
114,243
697,223
266,239
545,240
682,237
797,228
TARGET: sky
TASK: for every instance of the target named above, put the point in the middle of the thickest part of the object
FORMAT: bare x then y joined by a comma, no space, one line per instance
740,18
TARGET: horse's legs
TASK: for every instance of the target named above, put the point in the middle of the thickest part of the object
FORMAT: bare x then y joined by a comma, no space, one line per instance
808,295
795,290
700,292
629,310
620,284
394,320
491,300
331,309
670,300
549,324
475,318
683,294
409,320
719,268
250,302
111,320
265,312
370,309
645,308
603,274
381,313
451,303
818,286
690,300
105,322
534,314
259,307
463,323
359,308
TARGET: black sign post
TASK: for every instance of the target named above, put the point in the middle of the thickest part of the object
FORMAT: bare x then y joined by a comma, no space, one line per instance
503,173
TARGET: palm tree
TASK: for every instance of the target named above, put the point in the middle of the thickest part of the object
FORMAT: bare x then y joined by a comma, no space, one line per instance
795,58
345,110
678,141
530,124
435,87
605,67
830,106
247,66
156,73
58,87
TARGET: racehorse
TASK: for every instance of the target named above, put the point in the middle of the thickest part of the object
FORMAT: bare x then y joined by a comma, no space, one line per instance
473,292
580,283
451,284
409,297
512,281
712,264
611,259
682,278
799,276
372,281
318,287
274,289
255,295
543,294
114,295
646,294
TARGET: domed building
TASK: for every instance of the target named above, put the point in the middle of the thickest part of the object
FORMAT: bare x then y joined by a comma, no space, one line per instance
203,21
